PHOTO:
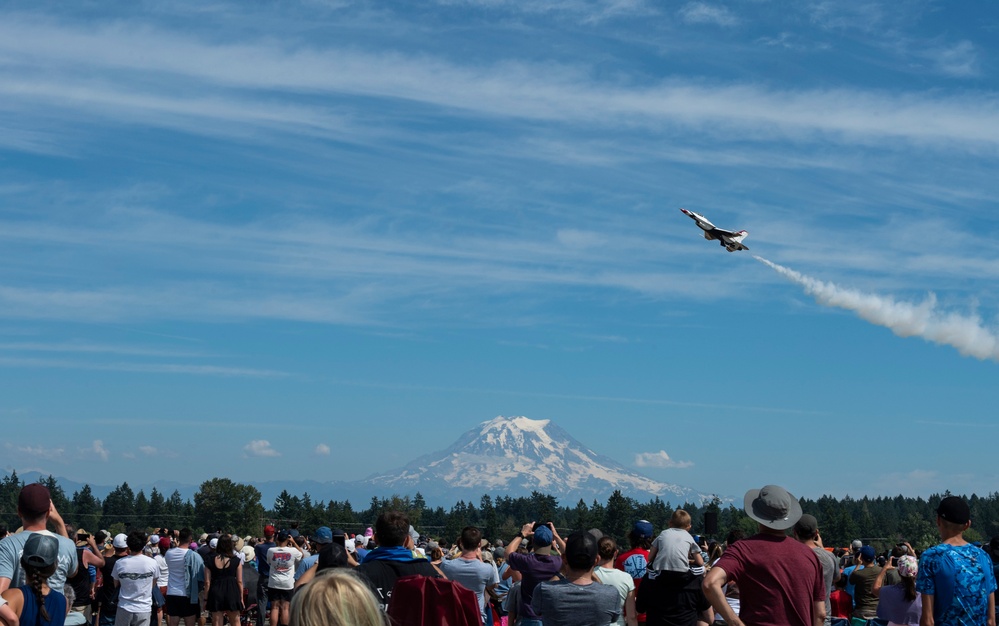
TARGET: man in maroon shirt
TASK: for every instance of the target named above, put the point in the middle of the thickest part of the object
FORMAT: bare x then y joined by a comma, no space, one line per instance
780,579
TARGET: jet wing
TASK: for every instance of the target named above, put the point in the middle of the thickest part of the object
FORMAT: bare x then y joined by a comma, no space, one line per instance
725,233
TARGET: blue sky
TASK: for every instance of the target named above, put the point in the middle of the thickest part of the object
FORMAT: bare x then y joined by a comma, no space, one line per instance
252,239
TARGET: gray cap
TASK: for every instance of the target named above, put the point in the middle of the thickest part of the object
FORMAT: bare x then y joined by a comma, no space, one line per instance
773,507
40,550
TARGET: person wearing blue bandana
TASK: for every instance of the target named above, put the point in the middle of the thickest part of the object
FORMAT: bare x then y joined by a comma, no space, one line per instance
393,557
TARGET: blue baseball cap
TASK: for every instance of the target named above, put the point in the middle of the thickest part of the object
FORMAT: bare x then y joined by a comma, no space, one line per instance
542,537
323,535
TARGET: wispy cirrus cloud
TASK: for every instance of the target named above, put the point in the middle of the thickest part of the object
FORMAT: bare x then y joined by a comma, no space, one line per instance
506,90
322,450
704,13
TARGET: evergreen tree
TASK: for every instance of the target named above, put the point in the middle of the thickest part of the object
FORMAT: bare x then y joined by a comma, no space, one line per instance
87,509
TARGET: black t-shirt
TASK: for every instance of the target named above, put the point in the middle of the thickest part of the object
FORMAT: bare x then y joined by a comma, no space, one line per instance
107,595
671,599
381,575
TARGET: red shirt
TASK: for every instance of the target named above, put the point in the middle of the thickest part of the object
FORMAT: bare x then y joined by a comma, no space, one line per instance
634,562
841,603
779,579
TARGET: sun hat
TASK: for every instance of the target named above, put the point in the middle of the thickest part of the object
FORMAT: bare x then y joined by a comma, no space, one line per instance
908,566
773,507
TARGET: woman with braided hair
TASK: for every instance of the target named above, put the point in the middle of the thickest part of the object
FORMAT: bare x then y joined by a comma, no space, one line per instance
34,603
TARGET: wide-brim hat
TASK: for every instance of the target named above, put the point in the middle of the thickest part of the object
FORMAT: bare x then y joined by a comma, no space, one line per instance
773,507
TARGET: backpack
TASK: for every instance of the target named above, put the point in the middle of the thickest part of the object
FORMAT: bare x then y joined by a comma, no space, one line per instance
425,601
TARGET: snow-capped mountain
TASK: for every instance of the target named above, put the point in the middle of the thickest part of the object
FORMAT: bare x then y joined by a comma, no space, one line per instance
515,456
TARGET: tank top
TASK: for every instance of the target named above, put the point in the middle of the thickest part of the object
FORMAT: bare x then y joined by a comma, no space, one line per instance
81,581
55,604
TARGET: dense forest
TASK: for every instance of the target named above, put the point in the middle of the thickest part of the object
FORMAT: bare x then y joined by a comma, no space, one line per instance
223,504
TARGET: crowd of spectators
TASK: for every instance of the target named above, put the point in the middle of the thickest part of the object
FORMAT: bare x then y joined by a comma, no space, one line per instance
52,574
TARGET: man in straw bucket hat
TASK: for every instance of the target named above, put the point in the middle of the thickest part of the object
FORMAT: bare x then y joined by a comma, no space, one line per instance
780,579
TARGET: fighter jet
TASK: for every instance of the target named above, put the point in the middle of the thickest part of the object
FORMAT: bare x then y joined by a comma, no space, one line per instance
728,239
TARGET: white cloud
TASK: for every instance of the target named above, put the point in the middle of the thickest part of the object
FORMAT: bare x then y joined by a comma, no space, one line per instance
659,460
702,13
260,447
98,448
148,450
959,60
323,450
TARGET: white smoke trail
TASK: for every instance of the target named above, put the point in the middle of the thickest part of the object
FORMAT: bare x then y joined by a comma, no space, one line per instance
905,319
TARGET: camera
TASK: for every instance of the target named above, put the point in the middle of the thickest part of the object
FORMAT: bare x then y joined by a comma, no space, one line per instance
83,536
894,561
538,525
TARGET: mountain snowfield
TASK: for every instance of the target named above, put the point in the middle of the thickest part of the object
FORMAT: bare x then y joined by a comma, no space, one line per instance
505,456
515,456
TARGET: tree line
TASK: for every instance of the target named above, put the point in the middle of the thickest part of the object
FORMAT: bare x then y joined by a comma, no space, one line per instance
221,503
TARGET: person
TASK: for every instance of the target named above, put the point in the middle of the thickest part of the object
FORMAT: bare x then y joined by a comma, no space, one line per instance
636,560
106,597
263,570
336,597
955,578
87,555
780,580
538,566
806,530
159,592
224,583
281,560
187,572
899,604
331,551
670,598
35,603
392,557
840,602
578,600
622,581
865,603
468,570
675,550
135,576
35,508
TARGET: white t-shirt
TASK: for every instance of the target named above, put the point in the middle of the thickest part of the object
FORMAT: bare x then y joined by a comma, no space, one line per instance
164,574
674,547
282,562
177,572
136,574
620,580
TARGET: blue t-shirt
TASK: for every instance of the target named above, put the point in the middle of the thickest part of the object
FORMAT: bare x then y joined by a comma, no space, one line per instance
261,552
960,579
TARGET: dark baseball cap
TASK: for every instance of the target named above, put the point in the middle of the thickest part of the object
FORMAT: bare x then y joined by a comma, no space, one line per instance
34,500
806,526
40,550
581,550
954,510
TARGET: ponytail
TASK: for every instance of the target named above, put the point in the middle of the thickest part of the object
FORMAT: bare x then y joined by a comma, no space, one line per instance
909,584
36,579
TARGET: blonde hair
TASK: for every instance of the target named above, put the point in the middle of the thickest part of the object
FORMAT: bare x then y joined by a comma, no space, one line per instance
680,519
336,597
